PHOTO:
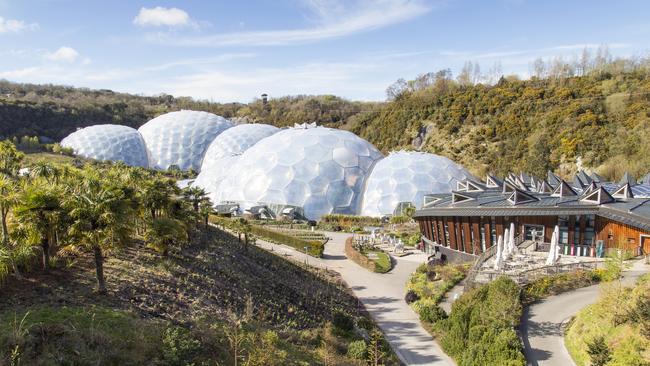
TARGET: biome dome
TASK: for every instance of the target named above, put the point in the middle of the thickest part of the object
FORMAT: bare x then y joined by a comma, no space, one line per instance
319,169
406,177
109,142
222,154
181,138
236,140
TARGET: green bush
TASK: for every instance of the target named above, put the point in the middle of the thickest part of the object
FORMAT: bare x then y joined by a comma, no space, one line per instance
357,349
342,321
430,312
558,283
178,346
480,328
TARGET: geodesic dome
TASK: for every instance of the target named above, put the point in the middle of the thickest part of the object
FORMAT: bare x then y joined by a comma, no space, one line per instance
109,142
223,152
319,169
211,178
181,138
406,177
234,141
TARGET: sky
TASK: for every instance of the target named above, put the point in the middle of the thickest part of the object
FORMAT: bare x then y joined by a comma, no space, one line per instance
233,51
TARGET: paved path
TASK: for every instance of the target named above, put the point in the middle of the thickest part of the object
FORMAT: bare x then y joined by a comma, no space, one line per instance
541,325
383,297
451,296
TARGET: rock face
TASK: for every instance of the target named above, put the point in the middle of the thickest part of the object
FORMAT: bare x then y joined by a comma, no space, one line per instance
109,142
181,138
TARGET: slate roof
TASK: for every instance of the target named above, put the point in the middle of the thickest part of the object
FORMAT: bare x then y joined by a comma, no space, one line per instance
496,201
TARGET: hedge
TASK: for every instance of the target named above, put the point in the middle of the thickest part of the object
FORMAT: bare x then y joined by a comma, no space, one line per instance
315,248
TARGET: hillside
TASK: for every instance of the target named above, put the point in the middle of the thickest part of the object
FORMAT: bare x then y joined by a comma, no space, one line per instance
555,120
183,300
55,111
599,121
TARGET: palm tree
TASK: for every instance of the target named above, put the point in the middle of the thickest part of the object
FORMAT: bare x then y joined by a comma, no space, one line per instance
38,211
8,199
165,233
101,220
156,195
195,196
45,170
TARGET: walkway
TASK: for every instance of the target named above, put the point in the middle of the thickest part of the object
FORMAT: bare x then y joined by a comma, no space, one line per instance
541,326
383,297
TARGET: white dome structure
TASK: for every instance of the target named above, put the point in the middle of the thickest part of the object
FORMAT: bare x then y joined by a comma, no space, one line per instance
234,141
406,177
181,138
223,153
109,142
321,170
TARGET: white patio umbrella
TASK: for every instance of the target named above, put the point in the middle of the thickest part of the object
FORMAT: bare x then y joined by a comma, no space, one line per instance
506,243
513,247
557,244
497,257
554,248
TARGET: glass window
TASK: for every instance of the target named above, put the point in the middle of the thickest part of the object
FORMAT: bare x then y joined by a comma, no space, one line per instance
493,230
459,226
563,223
576,230
590,225
446,225
482,236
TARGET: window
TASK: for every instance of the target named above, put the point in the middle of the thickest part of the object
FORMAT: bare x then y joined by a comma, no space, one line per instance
576,231
563,223
482,237
445,223
461,236
493,230
590,225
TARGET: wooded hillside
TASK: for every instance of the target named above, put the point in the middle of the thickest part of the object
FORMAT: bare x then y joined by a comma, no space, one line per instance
592,113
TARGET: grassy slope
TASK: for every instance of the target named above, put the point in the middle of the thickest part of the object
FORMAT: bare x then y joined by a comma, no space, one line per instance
612,318
209,280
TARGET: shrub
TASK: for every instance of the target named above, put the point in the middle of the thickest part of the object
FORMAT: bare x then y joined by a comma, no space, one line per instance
342,321
357,349
598,351
480,328
558,283
430,312
179,346
411,297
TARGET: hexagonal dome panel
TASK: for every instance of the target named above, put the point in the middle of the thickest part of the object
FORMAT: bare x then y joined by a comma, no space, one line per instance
234,141
406,177
109,142
316,168
181,138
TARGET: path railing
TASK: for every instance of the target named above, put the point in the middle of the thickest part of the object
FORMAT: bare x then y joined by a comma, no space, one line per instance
470,280
524,277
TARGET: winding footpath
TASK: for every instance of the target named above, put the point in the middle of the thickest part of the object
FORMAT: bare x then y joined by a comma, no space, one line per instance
541,326
383,297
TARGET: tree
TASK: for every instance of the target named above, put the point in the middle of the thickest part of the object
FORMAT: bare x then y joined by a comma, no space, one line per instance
8,199
598,351
10,159
155,195
38,211
196,196
164,233
101,220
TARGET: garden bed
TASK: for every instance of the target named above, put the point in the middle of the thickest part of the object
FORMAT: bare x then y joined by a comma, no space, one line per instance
372,260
